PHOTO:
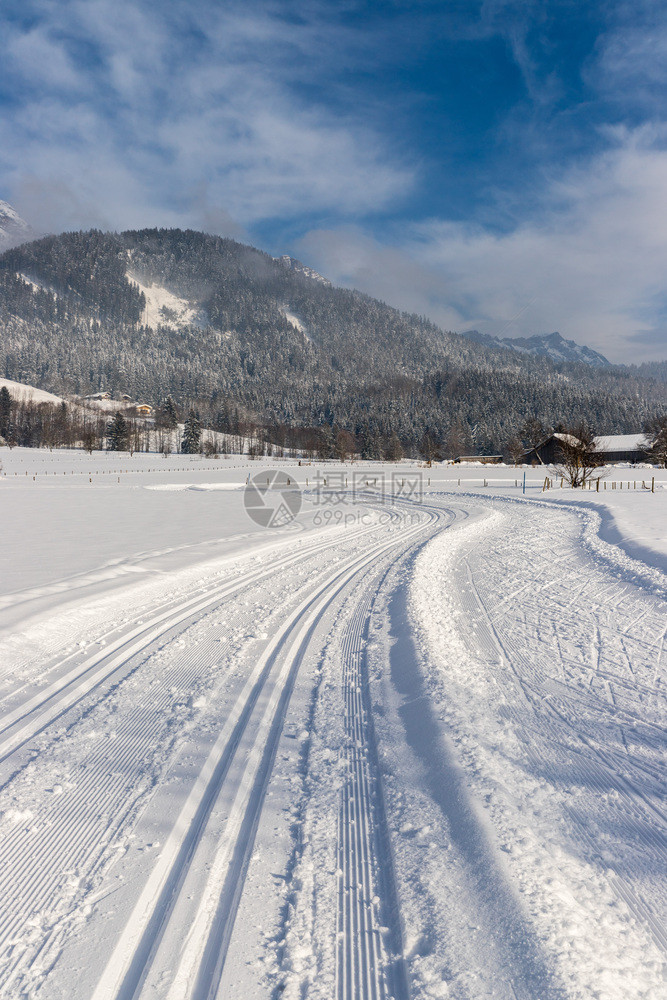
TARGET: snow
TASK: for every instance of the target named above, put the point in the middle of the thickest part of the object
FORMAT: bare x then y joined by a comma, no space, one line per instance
23,391
413,751
105,405
164,308
620,442
296,323
13,229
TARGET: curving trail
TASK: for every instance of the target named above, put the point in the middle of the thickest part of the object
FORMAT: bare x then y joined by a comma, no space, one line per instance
417,757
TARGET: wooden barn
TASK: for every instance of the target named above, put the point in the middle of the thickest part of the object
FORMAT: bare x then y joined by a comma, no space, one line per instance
612,448
621,448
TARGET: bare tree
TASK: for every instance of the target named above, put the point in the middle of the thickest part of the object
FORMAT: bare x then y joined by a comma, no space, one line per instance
458,440
579,456
534,433
429,448
515,449
345,445
655,445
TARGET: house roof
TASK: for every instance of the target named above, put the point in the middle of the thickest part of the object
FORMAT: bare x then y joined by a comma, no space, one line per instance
620,442
568,438
609,443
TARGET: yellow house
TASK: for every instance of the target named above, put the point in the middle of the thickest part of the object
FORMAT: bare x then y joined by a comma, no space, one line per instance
143,410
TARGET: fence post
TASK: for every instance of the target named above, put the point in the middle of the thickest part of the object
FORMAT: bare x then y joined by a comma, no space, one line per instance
597,485
524,482
652,484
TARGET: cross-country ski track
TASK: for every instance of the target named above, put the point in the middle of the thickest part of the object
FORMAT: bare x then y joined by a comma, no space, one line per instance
418,755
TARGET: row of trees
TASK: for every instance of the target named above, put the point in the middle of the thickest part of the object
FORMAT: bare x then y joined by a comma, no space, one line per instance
29,423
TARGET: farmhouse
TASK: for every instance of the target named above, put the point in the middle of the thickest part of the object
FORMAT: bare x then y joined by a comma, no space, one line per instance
611,448
143,410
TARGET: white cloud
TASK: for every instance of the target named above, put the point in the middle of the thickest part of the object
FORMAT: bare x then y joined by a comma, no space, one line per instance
146,106
592,267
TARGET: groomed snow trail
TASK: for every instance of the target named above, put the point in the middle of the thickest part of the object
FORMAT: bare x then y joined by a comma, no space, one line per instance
544,654
113,728
420,757
369,959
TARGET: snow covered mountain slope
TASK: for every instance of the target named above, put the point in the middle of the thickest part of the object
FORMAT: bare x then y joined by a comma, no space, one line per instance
550,345
163,308
20,391
211,323
292,264
13,229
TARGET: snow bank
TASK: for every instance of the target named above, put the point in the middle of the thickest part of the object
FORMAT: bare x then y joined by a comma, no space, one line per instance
22,391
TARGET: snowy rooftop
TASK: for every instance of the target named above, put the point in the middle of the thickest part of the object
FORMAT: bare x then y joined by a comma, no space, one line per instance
621,442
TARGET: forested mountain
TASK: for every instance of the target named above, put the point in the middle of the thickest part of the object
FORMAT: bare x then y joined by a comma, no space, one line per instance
549,345
232,331
13,229
651,369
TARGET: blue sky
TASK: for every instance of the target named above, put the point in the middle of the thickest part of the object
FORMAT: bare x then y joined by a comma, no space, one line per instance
498,165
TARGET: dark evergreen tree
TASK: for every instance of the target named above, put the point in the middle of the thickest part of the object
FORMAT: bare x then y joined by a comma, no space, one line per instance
5,411
326,442
118,433
191,443
169,413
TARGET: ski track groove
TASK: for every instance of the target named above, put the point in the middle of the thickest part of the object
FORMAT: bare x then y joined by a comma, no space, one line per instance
50,705
108,791
366,921
202,959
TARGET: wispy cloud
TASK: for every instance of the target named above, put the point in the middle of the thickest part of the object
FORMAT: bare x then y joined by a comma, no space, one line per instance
148,105
591,266
374,129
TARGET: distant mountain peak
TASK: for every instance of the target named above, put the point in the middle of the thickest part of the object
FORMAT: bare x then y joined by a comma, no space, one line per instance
292,264
13,229
548,345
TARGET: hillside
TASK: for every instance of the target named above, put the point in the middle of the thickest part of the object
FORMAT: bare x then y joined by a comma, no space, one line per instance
550,345
243,336
20,392
13,229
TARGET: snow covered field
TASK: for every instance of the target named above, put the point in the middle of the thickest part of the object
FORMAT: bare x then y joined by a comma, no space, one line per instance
402,745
